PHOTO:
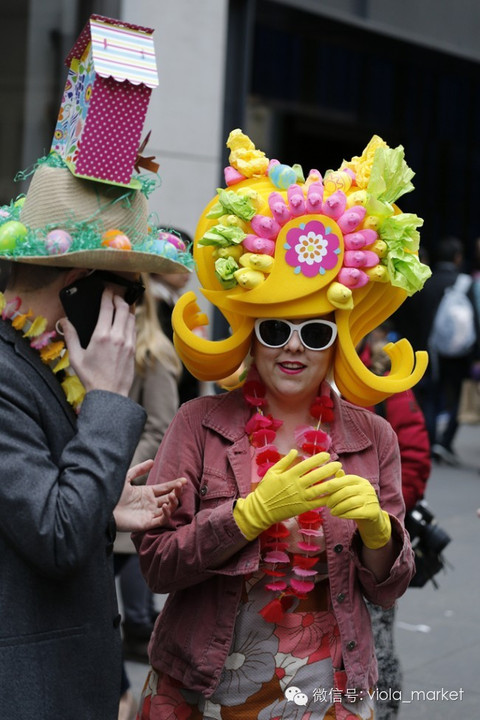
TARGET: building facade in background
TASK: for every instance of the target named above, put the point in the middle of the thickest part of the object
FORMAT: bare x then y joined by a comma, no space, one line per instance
309,80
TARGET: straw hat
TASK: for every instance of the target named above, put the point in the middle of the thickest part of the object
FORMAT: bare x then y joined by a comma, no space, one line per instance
65,221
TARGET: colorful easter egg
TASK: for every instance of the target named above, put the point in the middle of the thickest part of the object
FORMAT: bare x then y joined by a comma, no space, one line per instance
282,176
12,233
116,239
164,248
174,239
19,202
58,242
337,181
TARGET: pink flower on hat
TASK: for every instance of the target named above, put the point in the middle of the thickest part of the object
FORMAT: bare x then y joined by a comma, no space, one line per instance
311,248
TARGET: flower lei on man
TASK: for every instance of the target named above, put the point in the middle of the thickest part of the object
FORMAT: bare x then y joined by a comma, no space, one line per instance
262,429
51,350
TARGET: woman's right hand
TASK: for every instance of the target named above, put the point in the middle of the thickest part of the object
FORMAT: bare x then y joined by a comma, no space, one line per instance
286,490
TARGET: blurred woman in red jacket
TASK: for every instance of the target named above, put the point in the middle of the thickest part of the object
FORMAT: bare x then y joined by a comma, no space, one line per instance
406,418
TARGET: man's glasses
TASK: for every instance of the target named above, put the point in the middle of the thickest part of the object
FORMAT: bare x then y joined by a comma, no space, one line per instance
135,288
314,334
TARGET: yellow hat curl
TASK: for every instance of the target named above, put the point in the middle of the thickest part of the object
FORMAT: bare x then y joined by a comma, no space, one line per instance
274,244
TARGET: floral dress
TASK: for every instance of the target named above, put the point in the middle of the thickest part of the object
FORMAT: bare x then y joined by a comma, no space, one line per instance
274,670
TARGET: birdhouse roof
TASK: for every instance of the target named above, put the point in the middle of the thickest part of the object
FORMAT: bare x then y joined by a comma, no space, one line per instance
119,50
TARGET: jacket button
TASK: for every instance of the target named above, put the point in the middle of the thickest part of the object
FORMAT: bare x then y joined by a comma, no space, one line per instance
341,597
203,490
117,620
338,548
351,645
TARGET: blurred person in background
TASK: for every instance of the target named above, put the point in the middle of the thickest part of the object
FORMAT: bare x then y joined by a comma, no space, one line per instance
157,371
406,418
166,290
439,391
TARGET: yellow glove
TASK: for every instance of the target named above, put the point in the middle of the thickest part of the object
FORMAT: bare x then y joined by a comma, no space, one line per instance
353,497
284,492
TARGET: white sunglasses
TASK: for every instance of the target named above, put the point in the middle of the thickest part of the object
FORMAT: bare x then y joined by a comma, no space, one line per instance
314,334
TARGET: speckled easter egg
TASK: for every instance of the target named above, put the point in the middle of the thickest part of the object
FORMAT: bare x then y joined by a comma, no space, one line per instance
116,239
282,176
58,242
174,239
164,248
12,233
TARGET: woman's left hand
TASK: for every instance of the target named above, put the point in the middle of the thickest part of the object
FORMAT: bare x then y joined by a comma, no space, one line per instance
143,507
353,497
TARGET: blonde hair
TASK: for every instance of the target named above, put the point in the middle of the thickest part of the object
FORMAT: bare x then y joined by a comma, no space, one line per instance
152,343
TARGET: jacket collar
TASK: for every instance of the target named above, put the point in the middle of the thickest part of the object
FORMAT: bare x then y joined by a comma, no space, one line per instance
347,437
22,348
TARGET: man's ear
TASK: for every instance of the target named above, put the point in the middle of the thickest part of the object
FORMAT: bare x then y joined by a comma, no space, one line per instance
74,274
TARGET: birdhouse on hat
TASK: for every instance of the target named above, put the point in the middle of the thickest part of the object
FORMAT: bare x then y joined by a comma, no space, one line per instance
111,73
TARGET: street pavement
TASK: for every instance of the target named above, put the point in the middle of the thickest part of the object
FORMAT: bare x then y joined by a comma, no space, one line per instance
437,631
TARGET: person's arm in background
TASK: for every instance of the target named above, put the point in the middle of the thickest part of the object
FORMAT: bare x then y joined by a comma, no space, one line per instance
157,393
406,418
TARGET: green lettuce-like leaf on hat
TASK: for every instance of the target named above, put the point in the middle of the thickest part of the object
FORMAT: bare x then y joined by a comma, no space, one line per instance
223,235
224,269
390,176
231,203
403,239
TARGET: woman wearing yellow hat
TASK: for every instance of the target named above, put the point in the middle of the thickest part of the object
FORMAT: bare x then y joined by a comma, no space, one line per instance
293,509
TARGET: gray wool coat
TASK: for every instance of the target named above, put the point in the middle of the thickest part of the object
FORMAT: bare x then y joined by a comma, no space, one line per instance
60,478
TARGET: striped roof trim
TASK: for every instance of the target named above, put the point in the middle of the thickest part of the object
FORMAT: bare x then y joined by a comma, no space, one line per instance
120,50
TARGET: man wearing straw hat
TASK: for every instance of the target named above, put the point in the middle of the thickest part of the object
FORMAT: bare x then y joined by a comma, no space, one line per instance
67,435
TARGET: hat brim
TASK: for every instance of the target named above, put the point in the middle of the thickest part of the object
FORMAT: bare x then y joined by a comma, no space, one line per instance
107,259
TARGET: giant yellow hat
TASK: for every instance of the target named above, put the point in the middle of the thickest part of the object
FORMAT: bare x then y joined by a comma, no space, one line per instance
276,244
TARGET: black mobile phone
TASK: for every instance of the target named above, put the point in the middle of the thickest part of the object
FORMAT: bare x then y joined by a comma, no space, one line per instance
81,301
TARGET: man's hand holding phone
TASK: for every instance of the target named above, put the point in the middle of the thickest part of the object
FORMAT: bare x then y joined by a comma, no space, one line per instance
108,361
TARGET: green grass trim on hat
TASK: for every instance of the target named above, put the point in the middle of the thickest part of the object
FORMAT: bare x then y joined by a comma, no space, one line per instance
71,222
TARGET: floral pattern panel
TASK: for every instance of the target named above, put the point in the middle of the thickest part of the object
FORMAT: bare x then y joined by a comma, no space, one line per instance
73,110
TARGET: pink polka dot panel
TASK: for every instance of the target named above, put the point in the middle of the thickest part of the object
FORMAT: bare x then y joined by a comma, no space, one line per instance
111,135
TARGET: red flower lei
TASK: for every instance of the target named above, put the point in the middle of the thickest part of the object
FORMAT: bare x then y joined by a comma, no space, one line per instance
262,430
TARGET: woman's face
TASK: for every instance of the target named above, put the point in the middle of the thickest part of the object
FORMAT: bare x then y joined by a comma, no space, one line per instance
292,370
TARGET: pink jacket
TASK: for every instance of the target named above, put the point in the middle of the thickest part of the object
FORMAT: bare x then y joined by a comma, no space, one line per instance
207,443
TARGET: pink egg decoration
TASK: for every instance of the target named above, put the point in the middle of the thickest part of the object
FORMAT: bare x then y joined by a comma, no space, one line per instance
174,239
58,242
